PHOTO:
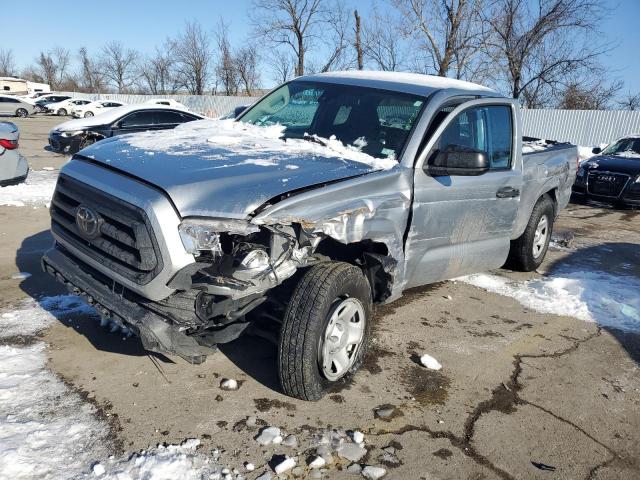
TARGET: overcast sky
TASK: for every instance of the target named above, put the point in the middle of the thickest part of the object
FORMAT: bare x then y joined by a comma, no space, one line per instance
29,26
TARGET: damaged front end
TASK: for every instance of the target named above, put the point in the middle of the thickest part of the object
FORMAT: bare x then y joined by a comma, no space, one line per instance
236,265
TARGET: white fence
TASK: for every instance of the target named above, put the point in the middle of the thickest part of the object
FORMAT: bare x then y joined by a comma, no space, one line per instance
581,127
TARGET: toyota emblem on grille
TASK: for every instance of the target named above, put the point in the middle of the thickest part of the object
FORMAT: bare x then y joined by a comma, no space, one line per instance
87,221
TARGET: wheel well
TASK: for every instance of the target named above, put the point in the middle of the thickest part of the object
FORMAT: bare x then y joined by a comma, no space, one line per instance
553,196
372,257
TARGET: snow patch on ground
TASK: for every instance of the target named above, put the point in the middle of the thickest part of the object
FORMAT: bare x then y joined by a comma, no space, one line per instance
36,191
593,296
47,431
234,138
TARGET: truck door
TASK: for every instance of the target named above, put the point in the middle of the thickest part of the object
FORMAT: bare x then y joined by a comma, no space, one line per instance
462,223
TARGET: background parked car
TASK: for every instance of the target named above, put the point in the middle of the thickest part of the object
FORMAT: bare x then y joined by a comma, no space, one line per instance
64,108
94,108
13,166
42,102
14,106
74,135
613,175
166,101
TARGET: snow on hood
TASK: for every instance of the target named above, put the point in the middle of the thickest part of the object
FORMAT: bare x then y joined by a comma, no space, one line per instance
223,168
238,137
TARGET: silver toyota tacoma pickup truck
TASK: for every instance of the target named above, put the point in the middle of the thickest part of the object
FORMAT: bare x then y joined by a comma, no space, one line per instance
332,193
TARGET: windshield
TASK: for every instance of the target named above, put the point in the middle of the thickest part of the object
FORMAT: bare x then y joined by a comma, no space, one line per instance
377,122
627,147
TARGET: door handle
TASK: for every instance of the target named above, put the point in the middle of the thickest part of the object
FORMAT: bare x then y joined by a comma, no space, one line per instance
508,192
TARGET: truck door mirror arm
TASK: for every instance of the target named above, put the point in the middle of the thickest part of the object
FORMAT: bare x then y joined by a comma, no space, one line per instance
457,160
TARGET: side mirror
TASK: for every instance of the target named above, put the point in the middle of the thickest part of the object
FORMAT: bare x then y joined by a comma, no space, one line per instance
238,110
596,150
458,160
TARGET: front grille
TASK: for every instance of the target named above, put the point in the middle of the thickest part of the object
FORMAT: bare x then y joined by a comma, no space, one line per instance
124,242
606,184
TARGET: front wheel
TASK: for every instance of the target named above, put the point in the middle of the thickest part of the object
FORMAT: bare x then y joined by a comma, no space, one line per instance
22,113
88,114
62,112
325,330
528,251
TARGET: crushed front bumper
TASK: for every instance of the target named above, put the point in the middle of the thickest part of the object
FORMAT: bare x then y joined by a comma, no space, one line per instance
156,333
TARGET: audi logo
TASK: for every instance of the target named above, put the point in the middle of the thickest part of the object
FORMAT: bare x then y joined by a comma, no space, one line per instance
606,178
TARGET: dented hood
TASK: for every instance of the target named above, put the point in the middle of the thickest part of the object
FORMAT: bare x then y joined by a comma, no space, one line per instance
205,179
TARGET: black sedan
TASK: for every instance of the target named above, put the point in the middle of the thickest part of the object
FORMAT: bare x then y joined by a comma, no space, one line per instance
74,135
613,175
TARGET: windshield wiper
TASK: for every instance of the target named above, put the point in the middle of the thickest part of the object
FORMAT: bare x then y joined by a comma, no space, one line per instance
313,139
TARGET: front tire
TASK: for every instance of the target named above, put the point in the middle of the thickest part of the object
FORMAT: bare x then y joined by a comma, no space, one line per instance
88,114
528,251
62,112
22,113
325,330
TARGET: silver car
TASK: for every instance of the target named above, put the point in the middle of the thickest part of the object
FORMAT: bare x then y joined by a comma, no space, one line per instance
14,106
13,166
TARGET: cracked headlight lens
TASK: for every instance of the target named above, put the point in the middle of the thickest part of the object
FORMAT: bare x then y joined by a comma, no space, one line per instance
200,236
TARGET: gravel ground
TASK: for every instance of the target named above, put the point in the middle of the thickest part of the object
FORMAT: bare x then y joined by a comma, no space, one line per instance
521,394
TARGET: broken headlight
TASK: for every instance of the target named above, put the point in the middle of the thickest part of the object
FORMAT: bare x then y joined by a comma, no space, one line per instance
200,236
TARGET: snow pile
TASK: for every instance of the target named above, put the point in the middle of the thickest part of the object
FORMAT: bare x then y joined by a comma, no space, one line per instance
172,462
219,139
37,190
534,146
594,296
48,431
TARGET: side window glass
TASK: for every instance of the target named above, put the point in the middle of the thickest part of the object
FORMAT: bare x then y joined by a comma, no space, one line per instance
137,119
487,129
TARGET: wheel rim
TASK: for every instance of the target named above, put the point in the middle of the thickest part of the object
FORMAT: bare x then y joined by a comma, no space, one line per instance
88,114
342,338
541,236
21,112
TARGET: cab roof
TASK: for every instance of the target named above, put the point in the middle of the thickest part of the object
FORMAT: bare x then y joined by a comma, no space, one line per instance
413,83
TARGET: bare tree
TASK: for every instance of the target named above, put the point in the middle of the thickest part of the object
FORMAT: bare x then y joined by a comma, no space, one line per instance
282,65
630,102
226,71
156,72
289,23
90,76
52,66
335,26
119,65
383,42
7,63
193,56
448,32
538,44
246,65
596,96
357,43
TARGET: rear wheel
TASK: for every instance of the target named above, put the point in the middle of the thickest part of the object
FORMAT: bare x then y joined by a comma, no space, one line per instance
22,113
325,330
88,114
528,251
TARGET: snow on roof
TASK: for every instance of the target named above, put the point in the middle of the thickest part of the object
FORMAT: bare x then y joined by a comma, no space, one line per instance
400,81
112,115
